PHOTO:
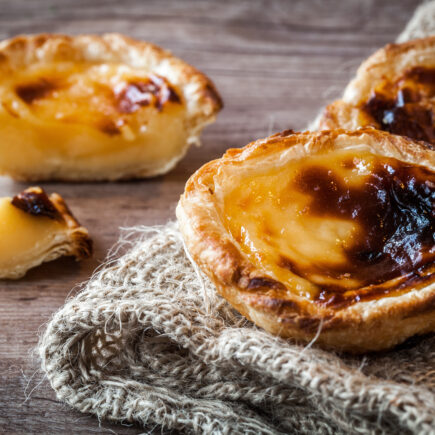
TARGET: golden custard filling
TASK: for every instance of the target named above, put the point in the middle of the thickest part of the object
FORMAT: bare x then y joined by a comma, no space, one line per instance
114,99
336,227
24,236
86,117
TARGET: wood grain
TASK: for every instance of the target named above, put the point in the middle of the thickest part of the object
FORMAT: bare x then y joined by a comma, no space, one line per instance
276,63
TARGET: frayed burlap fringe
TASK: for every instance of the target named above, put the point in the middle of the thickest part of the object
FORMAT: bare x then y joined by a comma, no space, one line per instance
147,340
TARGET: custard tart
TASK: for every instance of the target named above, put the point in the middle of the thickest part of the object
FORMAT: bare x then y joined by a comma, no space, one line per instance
35,228
97,108
326,235
394,91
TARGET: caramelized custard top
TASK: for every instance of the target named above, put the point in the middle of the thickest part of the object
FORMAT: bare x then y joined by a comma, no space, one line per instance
406,107
115,99
340,227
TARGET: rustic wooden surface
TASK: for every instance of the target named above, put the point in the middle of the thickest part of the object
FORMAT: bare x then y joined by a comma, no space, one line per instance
275,63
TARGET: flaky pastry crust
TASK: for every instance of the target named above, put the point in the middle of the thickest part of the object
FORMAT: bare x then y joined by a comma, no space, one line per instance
71,239
388,65
358,327
181,83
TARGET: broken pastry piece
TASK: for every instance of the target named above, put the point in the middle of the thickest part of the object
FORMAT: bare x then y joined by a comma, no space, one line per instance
35,228
325,236
394,91
97,108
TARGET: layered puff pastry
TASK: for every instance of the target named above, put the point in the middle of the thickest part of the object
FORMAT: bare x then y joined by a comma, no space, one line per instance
35,228
394,91
97,108
326,236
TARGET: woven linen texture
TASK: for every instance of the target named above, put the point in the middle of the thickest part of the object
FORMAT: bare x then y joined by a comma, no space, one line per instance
147,340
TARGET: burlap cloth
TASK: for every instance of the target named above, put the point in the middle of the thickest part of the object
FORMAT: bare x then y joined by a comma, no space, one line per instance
147,340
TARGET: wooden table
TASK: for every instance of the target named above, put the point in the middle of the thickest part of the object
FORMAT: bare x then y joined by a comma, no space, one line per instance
276,63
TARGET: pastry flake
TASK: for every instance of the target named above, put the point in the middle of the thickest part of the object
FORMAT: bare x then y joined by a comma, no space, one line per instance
328,233
394,91
36,228
97,108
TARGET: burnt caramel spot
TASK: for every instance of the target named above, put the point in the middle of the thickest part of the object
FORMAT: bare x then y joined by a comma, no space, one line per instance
109,127
406,106
153,91
394,210
422,75
212,94
348,163
284,133
31,92
36,202
410,119
260,282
